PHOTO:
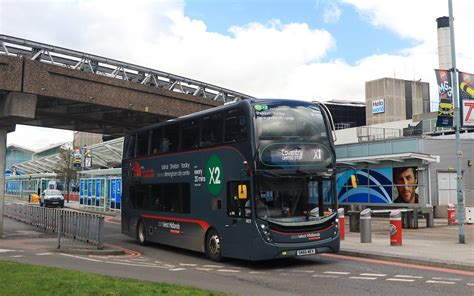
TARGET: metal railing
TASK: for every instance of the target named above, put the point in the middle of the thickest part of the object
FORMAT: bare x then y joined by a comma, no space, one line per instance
368,134
86,62
70,226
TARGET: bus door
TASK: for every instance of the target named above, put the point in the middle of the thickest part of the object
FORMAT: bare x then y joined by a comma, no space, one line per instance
238,223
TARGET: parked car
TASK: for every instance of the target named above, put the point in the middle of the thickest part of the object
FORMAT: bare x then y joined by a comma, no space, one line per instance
52,197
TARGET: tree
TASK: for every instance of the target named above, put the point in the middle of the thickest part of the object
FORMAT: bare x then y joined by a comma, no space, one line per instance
64,169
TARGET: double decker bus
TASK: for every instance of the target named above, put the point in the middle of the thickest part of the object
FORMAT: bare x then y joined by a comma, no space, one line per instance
254,180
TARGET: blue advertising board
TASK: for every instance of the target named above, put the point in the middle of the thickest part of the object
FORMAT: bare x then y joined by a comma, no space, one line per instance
89,191
97,192
373,186
113,194
81,191
118,195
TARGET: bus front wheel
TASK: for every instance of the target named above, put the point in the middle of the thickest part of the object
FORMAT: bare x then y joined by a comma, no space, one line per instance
141,233
213,245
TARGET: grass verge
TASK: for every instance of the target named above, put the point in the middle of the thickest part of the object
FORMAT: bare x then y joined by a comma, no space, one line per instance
25,279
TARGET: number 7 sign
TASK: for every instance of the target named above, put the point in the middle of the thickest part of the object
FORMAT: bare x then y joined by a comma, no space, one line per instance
468,113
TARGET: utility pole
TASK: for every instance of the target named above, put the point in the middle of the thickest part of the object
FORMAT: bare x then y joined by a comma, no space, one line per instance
457,127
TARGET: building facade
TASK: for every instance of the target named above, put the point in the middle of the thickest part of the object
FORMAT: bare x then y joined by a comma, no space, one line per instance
391,99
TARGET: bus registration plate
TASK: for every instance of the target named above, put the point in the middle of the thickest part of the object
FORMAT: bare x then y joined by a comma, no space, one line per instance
306,252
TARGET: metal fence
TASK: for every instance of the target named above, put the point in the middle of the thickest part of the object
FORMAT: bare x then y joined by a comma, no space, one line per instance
73,228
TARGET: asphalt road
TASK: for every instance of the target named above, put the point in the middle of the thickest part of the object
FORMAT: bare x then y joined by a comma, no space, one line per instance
311,275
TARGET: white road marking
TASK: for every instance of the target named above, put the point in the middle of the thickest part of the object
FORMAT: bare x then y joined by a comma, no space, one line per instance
305,271
16,256
6,250
187,264
213,266
43,254
228,270
326,276
204,269
408,276
283,273
83,258
258,272
470,284
440,282
373,274
141,259
446,279
362,278
177,269
400,280
135,264
337,272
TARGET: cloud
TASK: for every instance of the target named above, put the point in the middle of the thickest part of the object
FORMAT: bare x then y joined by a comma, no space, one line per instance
263,59
332,13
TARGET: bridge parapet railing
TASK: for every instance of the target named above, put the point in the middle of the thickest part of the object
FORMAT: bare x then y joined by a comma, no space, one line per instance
86,62
74,229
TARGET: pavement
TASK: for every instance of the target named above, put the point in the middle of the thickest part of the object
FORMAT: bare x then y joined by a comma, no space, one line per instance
436,246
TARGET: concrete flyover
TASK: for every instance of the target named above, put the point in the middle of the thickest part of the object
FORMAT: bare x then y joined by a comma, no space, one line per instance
40,94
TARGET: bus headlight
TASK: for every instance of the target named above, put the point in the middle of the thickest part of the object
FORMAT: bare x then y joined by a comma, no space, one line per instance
265,230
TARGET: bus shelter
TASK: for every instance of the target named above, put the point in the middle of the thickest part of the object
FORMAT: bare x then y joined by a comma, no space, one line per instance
101,189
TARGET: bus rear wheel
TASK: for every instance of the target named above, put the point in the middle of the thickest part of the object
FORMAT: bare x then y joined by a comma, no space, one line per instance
213,245
141,233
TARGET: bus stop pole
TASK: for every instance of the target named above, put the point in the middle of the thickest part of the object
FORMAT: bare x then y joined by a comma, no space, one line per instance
3,156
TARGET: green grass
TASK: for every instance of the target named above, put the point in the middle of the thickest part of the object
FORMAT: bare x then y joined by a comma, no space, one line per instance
25,279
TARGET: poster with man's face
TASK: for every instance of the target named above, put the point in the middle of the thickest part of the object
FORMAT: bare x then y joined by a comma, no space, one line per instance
405,185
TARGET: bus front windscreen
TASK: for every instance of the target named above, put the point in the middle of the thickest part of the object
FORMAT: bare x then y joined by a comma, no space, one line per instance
287,199
292,136
290,122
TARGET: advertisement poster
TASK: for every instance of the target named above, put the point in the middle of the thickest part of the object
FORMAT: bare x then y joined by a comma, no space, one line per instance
378,186
405,184
445,91
118,193
466,96
112,194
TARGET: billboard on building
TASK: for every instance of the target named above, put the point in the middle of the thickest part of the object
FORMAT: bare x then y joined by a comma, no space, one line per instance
445,91
378,106
378,186
466,96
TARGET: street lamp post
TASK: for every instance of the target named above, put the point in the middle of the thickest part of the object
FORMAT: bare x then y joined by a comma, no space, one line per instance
457,127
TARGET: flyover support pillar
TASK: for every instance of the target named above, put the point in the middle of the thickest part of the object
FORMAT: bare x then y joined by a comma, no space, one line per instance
3,149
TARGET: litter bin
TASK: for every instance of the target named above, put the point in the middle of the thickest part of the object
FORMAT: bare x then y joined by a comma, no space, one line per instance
451,214
395,228
340,213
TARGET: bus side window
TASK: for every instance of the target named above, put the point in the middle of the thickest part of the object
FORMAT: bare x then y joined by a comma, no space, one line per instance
139,196
129,146
237,207
155,141
189,135
235,126
142,143
212,129
170,139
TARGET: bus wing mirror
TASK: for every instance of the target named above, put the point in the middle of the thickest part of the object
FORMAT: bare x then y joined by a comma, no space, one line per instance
354,181
242,191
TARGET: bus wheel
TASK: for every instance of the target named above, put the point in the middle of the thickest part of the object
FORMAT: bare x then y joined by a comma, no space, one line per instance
213,245
141,233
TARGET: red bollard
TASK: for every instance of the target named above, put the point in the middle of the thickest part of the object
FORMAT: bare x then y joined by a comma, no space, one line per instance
451,215
340,214
395,228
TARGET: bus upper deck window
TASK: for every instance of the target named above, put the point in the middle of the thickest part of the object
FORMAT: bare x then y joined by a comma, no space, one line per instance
235,126
129,146
155,141
142,143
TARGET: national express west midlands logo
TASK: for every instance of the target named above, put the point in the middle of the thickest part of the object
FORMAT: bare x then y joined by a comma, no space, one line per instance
214,175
